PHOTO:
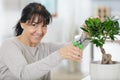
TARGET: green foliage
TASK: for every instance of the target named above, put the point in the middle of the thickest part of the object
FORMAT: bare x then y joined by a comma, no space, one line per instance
99,31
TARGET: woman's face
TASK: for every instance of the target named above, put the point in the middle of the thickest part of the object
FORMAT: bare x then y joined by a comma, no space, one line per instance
34,32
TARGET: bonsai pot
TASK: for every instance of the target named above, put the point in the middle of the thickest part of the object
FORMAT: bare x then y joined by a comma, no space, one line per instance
100,71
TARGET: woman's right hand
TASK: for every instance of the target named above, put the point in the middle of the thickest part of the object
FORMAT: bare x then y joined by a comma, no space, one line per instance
71,52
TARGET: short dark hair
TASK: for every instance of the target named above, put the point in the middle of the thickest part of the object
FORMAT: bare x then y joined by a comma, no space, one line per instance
30,12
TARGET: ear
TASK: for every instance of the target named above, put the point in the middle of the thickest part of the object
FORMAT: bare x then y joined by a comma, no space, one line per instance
22,25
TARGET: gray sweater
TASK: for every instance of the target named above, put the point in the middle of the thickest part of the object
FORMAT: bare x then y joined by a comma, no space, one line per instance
21,62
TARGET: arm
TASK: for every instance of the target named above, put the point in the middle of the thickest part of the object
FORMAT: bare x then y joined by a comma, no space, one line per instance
55,46
17,64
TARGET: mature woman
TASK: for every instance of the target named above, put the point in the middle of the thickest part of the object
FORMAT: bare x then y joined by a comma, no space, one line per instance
24,57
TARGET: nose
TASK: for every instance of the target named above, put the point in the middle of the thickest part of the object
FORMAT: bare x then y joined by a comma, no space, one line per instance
39,30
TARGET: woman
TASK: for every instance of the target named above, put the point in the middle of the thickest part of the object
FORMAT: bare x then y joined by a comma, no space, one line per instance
24,57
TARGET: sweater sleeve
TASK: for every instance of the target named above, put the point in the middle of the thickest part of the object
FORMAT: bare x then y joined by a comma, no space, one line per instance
55,46
17,64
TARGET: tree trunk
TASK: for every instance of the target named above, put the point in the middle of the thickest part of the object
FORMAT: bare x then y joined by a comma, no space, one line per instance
106,58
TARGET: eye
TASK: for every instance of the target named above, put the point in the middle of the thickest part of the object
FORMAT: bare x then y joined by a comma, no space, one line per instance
34,24
44,26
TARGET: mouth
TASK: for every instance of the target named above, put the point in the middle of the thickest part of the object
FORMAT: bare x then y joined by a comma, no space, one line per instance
36,37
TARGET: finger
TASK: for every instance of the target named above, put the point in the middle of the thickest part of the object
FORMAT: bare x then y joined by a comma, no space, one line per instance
69,57
76,51
76,48
73,59
72,55
97,17
76,57
84,25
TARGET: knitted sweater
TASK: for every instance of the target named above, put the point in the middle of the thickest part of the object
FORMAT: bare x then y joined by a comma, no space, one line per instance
21,62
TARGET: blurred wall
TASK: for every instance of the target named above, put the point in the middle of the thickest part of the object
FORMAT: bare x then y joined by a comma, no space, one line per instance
9,14
71,15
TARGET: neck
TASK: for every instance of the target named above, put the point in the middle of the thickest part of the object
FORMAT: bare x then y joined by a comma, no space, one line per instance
25,41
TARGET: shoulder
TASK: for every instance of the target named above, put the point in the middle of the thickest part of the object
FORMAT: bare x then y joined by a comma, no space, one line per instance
9,40
8,46
8,43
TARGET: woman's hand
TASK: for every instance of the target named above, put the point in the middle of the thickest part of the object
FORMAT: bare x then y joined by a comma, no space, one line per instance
71,52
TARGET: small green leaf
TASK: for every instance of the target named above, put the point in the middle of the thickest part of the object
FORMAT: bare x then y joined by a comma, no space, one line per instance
84,29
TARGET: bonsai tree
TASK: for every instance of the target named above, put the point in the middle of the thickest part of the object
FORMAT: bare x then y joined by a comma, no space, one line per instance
99,31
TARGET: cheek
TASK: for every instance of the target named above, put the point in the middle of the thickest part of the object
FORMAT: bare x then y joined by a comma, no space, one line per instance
44,31
31,30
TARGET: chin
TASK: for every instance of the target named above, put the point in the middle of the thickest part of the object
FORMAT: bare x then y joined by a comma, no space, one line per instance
36,41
